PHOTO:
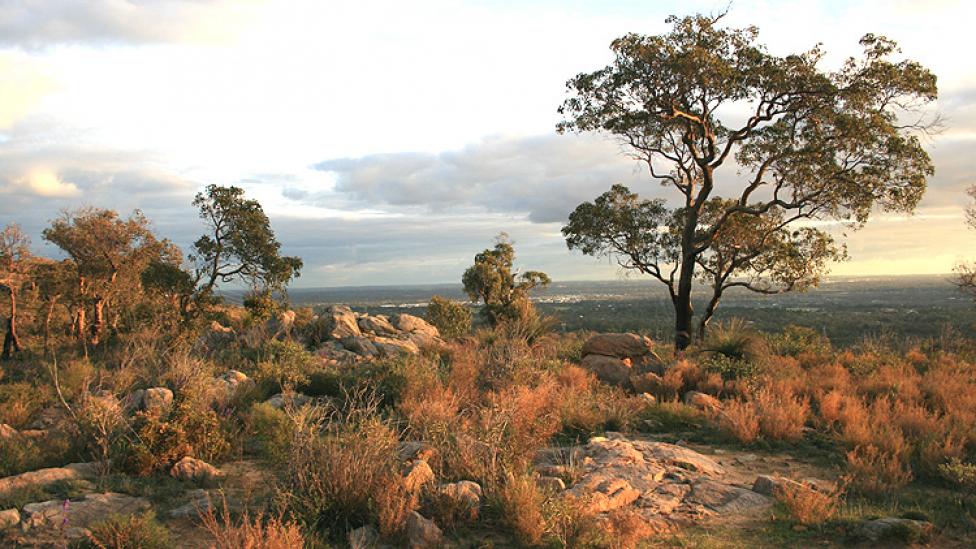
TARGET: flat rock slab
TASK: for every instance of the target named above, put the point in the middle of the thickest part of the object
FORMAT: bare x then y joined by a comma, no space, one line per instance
48,521
44,477
668,485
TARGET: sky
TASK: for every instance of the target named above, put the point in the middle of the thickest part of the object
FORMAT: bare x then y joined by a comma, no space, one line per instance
391,141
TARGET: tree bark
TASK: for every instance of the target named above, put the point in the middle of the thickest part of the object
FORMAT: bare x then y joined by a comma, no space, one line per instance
98,325
10,341
709,312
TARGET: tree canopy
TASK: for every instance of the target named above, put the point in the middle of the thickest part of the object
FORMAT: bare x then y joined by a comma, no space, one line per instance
493,281
239,244
813,144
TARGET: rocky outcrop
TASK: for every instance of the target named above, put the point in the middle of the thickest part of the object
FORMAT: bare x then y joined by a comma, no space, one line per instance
57,517
702,401
193,469
229,384
616,358
618,345
895,529
9,518
464,495
281,400
344,336
422,533
416,475
44,477
665,484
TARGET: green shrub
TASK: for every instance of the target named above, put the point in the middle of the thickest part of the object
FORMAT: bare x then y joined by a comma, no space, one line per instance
735,340
286,364
960,474
452,319
730,368
270,432
795,340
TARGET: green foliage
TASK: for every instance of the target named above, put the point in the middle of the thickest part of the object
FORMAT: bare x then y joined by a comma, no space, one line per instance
959,473
240,244
795,340
730,368
270,431
821,145
286,364
505,293
737,341
452,319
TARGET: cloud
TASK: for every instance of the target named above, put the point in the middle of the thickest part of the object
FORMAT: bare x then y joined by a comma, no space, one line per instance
23,83
38,24
543,177
47,184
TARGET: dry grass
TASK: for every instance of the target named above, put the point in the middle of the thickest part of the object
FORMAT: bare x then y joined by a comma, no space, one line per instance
873,471
258,532
520,504
740,419
807,505
782,415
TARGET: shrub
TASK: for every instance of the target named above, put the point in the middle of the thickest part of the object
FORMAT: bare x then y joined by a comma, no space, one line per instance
740,419
874,471
338,468
782,415
270,432
285,366
520,504
806,505
19,401
796,340
452,319
259,532
129,532
735,340
959,473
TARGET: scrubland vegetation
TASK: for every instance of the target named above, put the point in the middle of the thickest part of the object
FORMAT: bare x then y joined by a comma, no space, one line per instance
260,426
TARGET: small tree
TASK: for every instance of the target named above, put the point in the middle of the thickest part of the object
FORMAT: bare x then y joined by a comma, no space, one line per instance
815,145
239,245
758,253
504,292
15,266
451,318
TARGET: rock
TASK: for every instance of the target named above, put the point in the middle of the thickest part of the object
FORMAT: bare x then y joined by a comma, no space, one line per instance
378,325
608,369
190,468
361,346
414,449
9,518
44,477
726,499
422,532
464,494
647,382
334,351
648,398
606,493
296,400
365,537
550,484
706,403
218,328
423,340
281,323
769,485
417,474
157,400
232,382
414,325
618,345
340,322
894,528
663,484
49,517
6,431
389,346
